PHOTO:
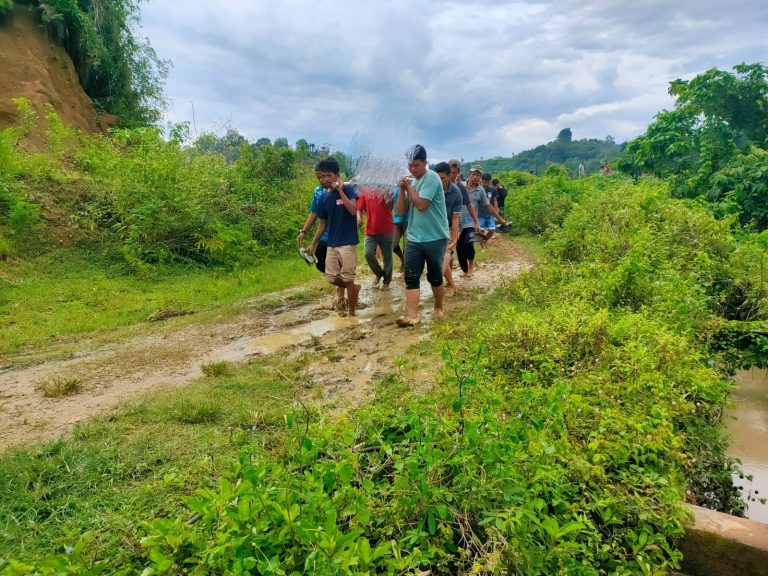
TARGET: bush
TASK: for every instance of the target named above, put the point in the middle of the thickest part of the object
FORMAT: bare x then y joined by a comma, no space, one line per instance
6,8
155,201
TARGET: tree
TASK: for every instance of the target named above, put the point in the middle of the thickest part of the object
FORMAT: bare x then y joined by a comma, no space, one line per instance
564,136
120,72
712,144
261,142
281,143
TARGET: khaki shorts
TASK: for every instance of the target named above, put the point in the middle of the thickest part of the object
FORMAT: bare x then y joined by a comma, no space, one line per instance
340,263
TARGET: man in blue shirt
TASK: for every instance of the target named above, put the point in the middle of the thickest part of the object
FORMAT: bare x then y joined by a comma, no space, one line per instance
422,199
337,211
322,245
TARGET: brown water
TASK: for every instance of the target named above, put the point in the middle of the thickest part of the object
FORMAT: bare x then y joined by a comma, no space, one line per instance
748,425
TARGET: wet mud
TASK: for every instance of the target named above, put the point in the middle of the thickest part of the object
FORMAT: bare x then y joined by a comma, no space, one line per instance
350,353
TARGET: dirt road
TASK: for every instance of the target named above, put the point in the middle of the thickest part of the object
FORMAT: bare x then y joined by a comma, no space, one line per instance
356,351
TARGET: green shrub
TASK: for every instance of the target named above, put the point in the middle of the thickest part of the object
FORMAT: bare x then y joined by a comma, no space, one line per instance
6,8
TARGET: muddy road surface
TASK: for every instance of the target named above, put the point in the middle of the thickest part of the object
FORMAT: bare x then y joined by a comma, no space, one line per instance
356,351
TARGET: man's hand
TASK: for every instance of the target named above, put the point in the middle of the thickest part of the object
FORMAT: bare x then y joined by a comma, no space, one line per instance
300,237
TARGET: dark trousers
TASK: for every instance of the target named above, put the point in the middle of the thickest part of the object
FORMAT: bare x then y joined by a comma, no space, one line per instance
320,252
465,248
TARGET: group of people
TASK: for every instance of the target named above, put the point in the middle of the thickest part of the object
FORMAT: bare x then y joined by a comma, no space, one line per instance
434,211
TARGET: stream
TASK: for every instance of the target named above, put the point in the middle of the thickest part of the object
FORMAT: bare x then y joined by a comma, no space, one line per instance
747,422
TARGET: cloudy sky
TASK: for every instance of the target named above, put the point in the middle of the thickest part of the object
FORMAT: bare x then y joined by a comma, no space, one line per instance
467,79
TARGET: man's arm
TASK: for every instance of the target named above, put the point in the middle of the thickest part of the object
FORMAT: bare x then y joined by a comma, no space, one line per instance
318,233
402,206
473,214
492,210
454,230
349,204
307,225
421,204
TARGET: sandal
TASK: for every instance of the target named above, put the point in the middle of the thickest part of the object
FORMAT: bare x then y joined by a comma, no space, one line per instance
308,258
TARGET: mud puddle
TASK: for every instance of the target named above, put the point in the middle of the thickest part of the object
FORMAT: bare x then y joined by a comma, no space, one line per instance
349,353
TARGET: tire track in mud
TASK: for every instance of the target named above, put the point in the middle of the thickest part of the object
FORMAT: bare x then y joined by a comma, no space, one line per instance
352,353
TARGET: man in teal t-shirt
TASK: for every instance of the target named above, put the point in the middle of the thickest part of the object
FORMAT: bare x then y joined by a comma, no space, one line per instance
423,201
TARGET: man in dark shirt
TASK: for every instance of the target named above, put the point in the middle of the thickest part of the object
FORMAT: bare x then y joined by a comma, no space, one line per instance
453,204
337,211
502,200
465,247
488,222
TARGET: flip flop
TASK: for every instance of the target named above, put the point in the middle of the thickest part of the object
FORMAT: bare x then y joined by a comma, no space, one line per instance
308,258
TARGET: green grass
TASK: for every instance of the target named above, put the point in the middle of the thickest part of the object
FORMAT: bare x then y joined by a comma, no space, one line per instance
71,292
137,463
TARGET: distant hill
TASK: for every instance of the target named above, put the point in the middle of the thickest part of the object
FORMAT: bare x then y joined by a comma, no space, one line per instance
591,152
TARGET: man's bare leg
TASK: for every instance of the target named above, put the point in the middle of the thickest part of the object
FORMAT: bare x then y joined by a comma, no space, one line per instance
353,291
412,304
438,292
450,285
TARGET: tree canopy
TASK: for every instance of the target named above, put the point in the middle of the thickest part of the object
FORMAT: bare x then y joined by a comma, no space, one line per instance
712,144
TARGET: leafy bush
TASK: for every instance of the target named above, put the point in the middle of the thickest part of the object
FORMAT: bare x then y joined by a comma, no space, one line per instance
542,204
152,200
6,7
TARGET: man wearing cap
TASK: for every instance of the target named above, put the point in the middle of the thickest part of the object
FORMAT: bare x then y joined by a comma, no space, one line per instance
422,199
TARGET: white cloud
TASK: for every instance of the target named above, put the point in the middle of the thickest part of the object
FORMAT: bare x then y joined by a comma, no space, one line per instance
476,78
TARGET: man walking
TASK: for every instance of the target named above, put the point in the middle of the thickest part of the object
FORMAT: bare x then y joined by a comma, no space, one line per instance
337,211
465,247
502,199
376,204
322,244
422,199
453,204
487,219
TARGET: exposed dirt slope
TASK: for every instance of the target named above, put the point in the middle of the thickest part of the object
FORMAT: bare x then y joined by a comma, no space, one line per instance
35,68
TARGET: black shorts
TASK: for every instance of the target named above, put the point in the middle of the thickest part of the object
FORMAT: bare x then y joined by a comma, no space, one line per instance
419,253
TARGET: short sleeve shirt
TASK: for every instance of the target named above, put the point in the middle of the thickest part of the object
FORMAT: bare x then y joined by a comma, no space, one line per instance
482,208
378,205
453,203
431,224
316,196
341,225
